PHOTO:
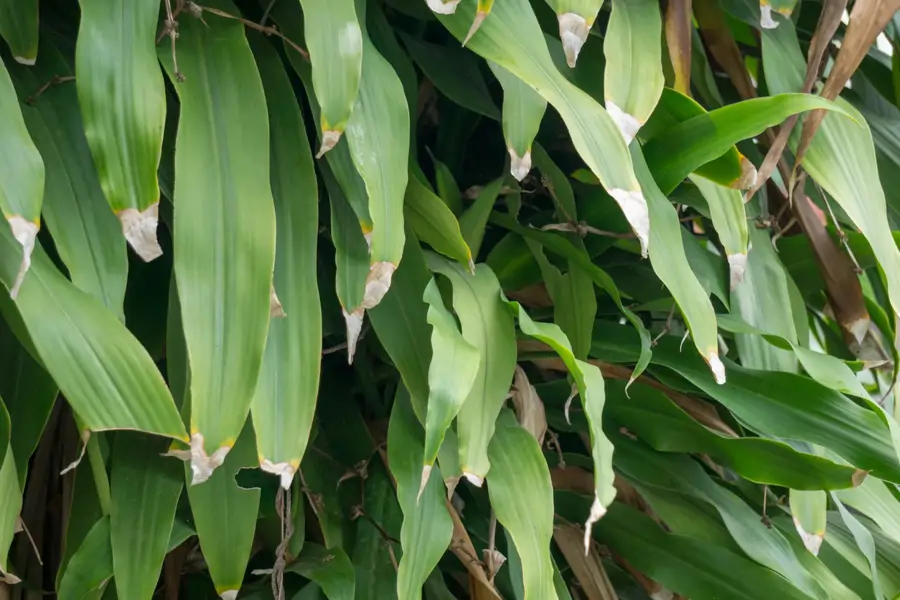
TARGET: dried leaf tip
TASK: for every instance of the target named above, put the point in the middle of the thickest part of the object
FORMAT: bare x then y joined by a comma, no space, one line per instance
276,311
597,512
140,230
480,16
634,205
627,124
573,31
330,138
717,367
529,406
442,8
378,282
476,480
519,166
737,264
9,578
284,470
202,464
25,233
25,60
765,17
812,541
229,595
354,322
748,178
859,328
426,473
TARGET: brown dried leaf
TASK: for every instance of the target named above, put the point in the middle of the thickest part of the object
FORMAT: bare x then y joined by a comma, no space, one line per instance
588,569
721,45
678,38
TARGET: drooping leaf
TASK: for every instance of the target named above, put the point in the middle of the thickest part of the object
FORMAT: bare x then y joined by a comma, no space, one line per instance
522,497
488,326
726,207
145,488
433,222
225,516
123,103
285,396
86,234
512,39
523,109
224,228
454,366
865,543
22,176
633,78
427,527
335,42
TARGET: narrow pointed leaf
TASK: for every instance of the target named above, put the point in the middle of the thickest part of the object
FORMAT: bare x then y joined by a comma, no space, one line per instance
473,221
522,498
285,396
335,44
123,102
864,541
224,228
145,488
225,516
523,110
90,569
875,500
726,207
488,326
378,135
434,223
21,179
633,78
679,27
10,503
330,568
454,366
427,527
670,263
593,396
86,234
512,39
19,27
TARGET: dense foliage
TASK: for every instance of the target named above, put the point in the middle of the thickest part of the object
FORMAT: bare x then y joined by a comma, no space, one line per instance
533,299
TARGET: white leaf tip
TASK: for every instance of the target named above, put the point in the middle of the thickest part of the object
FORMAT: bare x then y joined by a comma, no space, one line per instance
476,480
202,464
627,124
634,206
519,166
573,31
25,60
378,282
276,310
25,233
765,17
717,367
354,322
426,473
139,228
859,328
811,541
330,138
442,8
229,595
284,470
597,512
737,265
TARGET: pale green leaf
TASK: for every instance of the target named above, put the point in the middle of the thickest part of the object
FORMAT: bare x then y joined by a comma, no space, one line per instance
808,509
726,207
90,569
576,17
523,110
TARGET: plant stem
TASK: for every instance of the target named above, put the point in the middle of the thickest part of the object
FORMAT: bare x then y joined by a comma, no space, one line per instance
98,469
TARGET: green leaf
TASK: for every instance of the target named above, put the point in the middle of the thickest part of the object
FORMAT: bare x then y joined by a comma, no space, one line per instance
285,396
123,102
809,511
427,527
330,568
225,516
335,42
473,221
488,326
19,27
145,488
104,372
522,498
782,405
11,505
864,541
376,574
726,207
701,139
670,263
512,38
434,223
593,396
633,78
875,500
451,375
224,228
378,135
86,234
666,427
400,322
523,110
91,566
21,178
841,158
455,73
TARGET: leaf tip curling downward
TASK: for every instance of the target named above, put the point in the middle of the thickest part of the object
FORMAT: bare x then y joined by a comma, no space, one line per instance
139,228
717,367
284,470
597,512
25,233
519,166
354,322
573,31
